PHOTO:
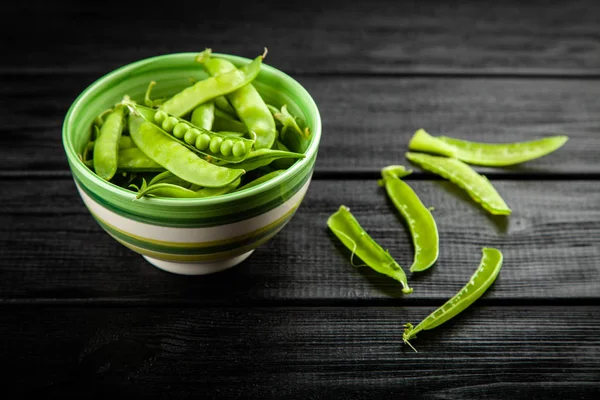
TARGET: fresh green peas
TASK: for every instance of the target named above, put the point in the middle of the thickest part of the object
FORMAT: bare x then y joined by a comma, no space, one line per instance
343,224
238,149
215,144
203,141
177,158
226,147
180,130
481,280
191,135
169,123
160,116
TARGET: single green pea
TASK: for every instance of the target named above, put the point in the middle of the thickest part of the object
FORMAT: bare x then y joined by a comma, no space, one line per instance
169,123
180,130
202,142
226,147
191,135
215,144
239,149
160,116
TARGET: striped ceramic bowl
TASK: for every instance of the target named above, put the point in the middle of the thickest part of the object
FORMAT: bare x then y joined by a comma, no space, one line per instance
189,236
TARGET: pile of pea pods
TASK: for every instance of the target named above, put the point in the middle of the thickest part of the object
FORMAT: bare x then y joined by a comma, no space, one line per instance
214,137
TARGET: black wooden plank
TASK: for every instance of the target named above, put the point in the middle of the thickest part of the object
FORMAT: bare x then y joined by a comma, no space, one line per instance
367,122
533,37
300,353
51,248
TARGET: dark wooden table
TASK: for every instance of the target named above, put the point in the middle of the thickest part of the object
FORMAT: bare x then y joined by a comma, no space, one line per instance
81,314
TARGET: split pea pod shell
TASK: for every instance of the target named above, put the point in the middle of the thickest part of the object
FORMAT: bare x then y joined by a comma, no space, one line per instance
480,281
486,154
207,89
477,186
247,102
421,223
177,158
347,229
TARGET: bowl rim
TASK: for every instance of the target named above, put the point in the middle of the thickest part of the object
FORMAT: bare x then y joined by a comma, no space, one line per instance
76,163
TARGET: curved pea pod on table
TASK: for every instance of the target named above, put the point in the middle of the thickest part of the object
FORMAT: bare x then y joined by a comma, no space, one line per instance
481,280
226,148
106,146
477,186
246,101
263,157
202,91
347,229
486,154
177,158
421,223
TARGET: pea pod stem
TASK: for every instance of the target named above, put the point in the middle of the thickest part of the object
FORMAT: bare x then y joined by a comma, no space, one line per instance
477,186
347,229
480,281
486,154
421,223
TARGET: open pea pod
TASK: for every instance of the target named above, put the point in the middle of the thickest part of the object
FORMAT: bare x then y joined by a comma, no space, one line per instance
162,148
262,157
210,144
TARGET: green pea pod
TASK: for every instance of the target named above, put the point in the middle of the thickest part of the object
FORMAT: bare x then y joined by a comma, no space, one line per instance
481,280
486,154
262,179
204,115
211,145
224,122
418,217
106,147
246,101
282,163
134,160
291,135
202,91
343,224
477,186
176,157
262,157
176,191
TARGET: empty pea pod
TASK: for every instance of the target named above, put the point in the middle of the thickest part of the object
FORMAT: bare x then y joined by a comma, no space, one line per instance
486,154
197,139
422,226
207,89
262,157
477,186
134,160
204,115
177,158
106,147
481,280
343,224
246,101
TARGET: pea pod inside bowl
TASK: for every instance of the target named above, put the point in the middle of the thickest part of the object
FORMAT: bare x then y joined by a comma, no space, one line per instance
191,235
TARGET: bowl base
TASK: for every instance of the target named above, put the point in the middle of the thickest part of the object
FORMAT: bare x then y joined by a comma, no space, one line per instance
197,268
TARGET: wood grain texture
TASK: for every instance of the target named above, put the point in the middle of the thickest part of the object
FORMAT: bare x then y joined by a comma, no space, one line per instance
374,36
367,122
52,249
301,353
